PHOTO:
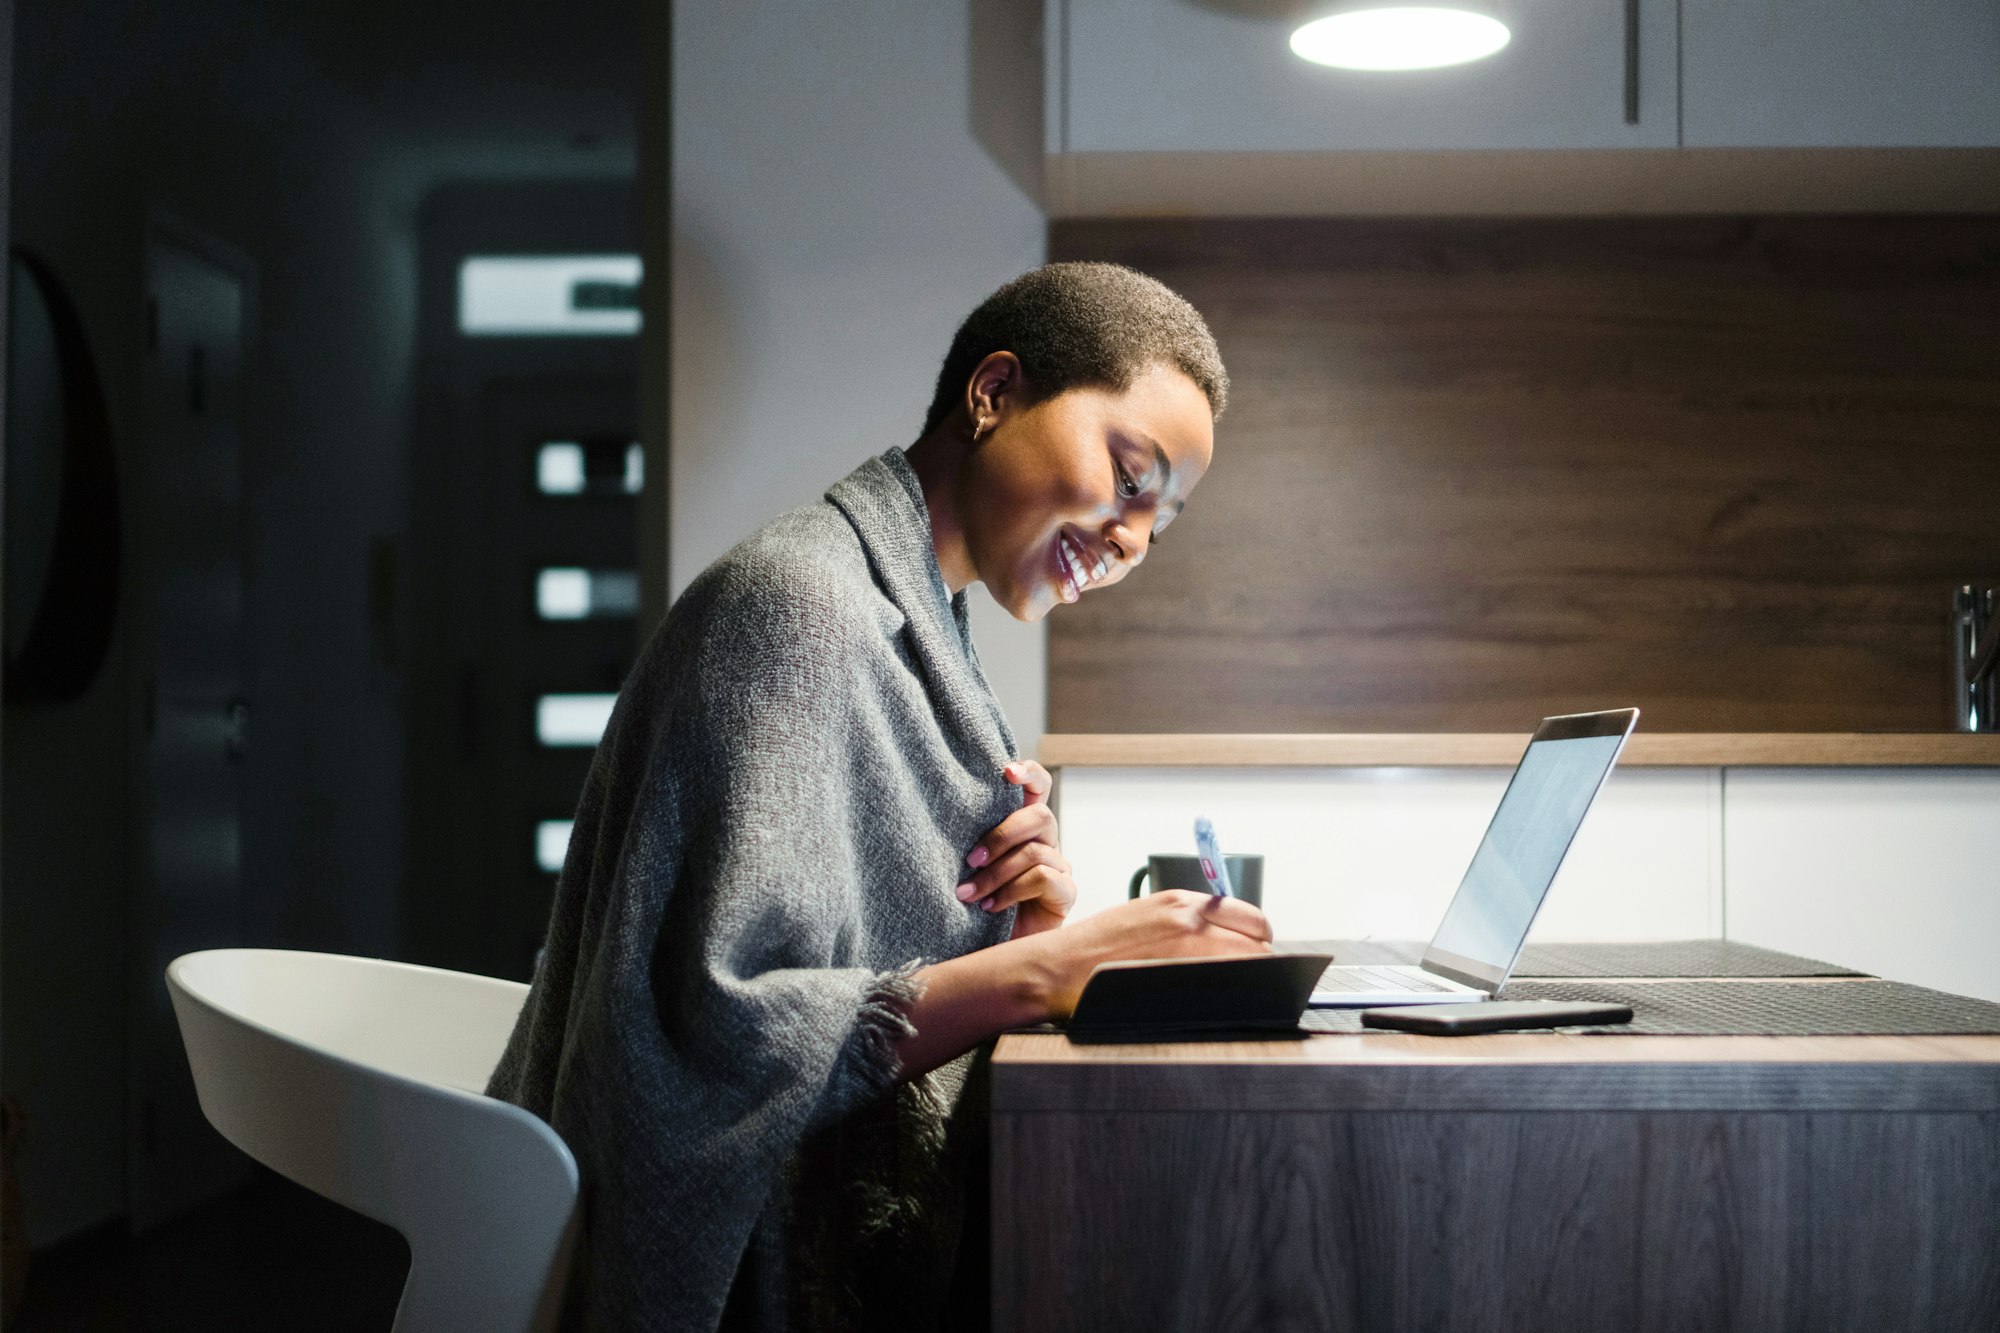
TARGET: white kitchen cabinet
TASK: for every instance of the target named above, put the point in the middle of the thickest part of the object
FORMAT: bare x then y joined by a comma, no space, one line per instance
1895,872
1151,76
1840,73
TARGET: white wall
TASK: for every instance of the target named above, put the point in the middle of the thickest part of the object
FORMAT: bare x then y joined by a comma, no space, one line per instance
1893,871
1357,853
834,217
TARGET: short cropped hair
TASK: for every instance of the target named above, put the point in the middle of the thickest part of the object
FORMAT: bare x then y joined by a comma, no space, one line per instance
1077,324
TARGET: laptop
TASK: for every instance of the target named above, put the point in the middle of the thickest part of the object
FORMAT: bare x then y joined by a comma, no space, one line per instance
1480,938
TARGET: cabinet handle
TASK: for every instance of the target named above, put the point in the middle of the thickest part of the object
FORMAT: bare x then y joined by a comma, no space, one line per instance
1631,62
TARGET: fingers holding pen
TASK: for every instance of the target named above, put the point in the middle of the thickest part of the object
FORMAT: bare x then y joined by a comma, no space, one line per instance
1236,915
1211,916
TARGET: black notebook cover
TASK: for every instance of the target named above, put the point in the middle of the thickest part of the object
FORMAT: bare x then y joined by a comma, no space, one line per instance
1196,999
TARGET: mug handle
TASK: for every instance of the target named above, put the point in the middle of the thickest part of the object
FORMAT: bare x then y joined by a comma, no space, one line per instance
1138,880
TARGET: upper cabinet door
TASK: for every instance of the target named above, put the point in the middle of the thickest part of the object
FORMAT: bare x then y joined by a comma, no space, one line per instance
1190,76
1841,73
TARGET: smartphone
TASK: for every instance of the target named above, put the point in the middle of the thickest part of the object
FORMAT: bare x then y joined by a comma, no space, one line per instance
1459,1020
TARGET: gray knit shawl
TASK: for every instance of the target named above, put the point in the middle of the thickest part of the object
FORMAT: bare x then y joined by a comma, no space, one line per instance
765,850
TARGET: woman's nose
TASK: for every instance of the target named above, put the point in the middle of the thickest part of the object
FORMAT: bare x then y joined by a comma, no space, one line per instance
1128,546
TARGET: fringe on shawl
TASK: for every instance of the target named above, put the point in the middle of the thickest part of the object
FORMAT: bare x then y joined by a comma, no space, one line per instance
884,1019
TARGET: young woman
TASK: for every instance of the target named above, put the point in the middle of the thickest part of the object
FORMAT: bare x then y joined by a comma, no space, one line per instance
809,873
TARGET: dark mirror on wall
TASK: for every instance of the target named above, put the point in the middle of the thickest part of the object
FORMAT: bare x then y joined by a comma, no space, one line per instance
61,523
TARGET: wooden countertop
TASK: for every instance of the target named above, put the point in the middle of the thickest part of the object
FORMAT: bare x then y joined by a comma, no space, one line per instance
1444,750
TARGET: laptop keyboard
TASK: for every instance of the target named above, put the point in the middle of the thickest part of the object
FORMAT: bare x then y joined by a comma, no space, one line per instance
1357,978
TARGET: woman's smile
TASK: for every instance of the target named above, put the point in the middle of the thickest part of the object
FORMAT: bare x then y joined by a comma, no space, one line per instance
1076,567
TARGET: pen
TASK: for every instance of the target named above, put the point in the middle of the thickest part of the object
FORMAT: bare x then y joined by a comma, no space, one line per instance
1213,868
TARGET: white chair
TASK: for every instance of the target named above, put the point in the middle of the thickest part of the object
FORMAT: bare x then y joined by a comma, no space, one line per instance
361,1080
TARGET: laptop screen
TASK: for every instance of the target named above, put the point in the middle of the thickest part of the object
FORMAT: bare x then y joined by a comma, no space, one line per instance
1539,815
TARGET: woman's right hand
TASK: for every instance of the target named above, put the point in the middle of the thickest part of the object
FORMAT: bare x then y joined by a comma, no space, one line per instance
1170,924
1018,982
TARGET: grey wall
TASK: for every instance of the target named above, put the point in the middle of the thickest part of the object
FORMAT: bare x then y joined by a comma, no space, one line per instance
306,138
136,114
835,214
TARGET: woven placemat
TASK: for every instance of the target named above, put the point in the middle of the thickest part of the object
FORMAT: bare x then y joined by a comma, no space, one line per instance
1865,1008
1670,958
1650,958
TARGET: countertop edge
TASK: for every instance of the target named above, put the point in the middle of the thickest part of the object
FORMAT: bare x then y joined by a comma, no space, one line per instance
1465,749
1043,1073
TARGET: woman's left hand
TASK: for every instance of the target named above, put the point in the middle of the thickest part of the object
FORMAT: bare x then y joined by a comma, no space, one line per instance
1018,863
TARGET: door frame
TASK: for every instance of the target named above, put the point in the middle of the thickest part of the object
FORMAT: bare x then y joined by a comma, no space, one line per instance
140,577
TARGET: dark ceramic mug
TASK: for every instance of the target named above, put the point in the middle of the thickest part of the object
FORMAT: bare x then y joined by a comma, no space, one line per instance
1246,875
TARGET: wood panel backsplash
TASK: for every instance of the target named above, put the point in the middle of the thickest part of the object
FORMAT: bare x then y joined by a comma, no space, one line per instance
1474,472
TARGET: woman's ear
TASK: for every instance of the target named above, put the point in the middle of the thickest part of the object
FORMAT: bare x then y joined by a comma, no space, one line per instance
994,381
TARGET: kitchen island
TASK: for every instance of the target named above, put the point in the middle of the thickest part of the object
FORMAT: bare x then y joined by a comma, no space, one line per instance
1515,1181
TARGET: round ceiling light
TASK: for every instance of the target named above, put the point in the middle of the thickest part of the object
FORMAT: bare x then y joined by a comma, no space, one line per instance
1399,37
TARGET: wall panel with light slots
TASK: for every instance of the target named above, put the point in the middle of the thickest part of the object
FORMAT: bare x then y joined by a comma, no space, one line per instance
523,551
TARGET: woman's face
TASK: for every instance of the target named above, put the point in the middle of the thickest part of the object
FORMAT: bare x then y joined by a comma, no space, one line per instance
1063,495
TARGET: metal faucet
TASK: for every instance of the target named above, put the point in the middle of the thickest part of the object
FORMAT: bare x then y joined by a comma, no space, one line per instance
1975,658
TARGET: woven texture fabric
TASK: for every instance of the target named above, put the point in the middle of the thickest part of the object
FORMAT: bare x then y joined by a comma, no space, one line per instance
1645,958
1776,1008
764,852
1748,1009
1670,958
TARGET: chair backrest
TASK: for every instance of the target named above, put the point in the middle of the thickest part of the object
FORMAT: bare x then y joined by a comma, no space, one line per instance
361,1080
